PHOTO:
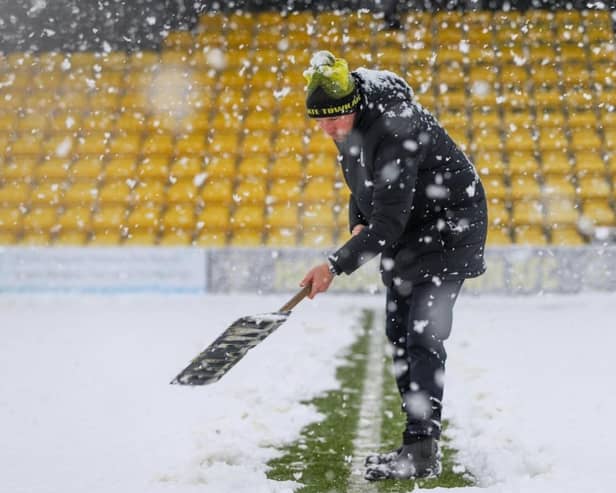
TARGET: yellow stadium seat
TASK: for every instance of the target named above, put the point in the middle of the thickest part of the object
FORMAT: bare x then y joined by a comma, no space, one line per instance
27,145
522,163
115,192
524,188
121,168
144,217
176,237
125,144
552,139
53,169
519,140
191,145
561,212
247,238
214,218
187,168
84,193
495,188
498,213
285,190
109,217
585,138
547,119
182,192
92,144
555,162
149,192
287,167
589,162
318,238
130,122
321,165
220,167
213,239
582,118
14,194
281,237
566,236
75,219
593,187
486,139
71,238
598,213
97,121
286,144
527,212
32,123
255,143
36,238
40,219
498,236
104,101
548,98
282,216
47,193
320,190
489,163
317,215
153,168
529,235
105,238
321,143
486,119
578,99
558,186
179,216
255,165
610,138
251,190
179,40
21,169
146,237
8,122
224,143
217,191
260,121
249,217
11,220
158,145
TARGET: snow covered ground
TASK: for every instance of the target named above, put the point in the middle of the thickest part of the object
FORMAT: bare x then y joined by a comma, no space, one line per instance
85,404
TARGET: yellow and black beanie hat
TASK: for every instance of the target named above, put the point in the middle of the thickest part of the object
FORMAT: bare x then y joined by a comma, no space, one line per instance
331,90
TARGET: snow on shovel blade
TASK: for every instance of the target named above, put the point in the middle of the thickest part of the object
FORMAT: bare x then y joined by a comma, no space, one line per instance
245,333
220,356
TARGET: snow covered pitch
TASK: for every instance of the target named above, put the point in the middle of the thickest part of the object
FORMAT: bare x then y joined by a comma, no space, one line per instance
86,405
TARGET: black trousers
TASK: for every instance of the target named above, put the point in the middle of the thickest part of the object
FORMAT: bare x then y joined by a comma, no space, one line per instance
417,324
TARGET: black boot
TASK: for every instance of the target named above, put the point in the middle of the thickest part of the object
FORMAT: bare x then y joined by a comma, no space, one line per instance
420,459
383,458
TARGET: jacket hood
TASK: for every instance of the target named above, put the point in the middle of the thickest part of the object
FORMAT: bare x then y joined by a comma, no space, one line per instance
384,93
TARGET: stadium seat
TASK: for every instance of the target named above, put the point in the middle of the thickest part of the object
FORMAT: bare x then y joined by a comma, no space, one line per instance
144,218
281,237
213,218
11,220
71,238
75,219
286,167
251,190
282,216
115,192
498,237
321,165
527,212
593,187
524,188
247,238
182,192
319,190
14,194
80,193
40,219
598,212
153,168
561,211
248,217
152,192
522,163
255,165
176,237
555,162
566,236
179,216
530,235
213,239
217,191
558,186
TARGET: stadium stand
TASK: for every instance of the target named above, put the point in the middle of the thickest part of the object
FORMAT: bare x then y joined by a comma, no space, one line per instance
205,141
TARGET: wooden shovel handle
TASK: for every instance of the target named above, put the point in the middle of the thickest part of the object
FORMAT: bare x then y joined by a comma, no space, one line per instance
296,299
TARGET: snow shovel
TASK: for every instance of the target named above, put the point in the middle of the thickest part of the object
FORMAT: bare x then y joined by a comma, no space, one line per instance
245,333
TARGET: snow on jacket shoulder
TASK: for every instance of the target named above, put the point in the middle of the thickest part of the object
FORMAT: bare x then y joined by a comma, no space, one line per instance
412,186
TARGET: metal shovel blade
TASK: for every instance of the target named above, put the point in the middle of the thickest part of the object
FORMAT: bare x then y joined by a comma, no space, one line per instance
220,356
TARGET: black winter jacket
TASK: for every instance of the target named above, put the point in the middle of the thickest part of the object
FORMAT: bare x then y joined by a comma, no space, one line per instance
418,194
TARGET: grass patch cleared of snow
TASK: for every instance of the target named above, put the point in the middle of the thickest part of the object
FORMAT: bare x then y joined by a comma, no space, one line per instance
320,459
453,475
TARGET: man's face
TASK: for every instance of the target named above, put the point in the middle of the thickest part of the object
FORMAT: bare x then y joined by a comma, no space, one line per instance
337,127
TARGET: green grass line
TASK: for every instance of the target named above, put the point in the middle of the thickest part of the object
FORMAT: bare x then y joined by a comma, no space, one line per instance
320,458
454,475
